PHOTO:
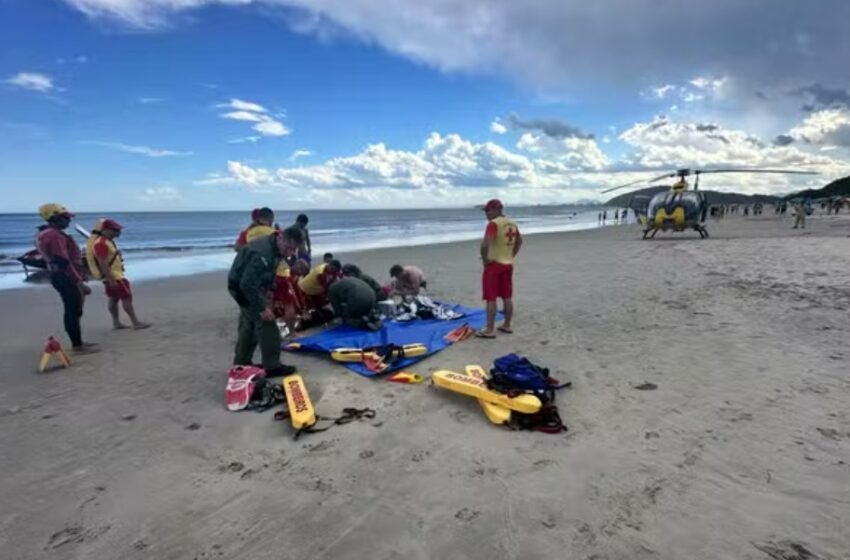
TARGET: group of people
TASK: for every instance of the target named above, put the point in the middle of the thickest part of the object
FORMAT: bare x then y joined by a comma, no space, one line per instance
273,278
620,217
69,272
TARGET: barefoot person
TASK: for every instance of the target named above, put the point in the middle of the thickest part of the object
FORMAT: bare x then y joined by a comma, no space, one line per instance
501,243
250,282
65,265
106,263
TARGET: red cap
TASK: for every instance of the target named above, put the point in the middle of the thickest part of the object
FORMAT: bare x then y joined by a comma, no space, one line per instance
111,224
494,204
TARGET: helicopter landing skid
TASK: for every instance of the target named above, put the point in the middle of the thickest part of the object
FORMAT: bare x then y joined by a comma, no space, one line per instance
646,232
703,233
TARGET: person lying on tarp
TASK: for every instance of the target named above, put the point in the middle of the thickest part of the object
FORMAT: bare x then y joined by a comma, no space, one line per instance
353,271
354,301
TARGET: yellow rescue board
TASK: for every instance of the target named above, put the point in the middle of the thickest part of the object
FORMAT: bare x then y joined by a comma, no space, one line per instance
357,355
474,387
301,411
496,413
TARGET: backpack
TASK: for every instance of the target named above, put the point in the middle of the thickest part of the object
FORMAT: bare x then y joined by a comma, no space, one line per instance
512,375
515,373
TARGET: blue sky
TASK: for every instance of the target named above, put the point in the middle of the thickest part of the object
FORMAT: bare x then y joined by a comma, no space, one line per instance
169,104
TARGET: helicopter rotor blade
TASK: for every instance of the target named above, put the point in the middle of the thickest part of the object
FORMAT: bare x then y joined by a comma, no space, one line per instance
624,186
784,171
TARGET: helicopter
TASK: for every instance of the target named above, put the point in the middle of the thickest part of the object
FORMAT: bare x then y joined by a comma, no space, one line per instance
679,208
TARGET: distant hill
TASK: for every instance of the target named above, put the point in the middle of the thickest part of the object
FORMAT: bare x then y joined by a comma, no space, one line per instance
840,187
642,197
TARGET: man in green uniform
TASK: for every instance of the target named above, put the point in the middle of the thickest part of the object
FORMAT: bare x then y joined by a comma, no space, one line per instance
353,300
250,282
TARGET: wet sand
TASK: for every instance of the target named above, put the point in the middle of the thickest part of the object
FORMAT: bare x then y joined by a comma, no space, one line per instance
742,451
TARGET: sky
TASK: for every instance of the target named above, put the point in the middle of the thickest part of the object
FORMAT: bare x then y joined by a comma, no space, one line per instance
157,105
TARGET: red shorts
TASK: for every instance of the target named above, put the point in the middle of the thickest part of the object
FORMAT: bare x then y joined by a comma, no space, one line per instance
497,281
119,289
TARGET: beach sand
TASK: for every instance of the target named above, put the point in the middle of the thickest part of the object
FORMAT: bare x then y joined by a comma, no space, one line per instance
742,451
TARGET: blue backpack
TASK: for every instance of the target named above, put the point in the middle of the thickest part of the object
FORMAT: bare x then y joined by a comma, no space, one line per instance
515,373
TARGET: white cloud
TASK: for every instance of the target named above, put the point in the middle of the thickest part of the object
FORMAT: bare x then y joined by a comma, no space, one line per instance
33,81
139,150
666,144
450,170
498,128
239,105
160,194
559,155
150,100
546,42
271,127
830,127
300,154
243,116
247,111
245,140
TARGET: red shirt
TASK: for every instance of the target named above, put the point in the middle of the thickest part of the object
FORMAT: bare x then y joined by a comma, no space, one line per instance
61,253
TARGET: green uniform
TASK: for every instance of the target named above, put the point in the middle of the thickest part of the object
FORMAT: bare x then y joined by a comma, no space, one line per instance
352,299
250,280
379,291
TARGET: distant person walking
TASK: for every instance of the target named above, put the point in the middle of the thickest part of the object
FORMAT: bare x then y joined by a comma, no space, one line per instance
65,265
502,241
604,216
625,216
616,216
799,215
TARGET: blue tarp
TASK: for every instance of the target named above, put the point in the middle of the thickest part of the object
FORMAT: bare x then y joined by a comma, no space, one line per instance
429,332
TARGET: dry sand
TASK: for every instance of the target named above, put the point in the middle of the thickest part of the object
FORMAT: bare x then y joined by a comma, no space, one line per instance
742,452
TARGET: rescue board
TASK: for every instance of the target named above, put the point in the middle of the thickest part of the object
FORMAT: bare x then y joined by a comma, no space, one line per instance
357,354
496,413
474,387
301,411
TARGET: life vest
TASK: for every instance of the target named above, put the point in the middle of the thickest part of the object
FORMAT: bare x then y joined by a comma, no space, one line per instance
256,231
311,284
502,244
114,259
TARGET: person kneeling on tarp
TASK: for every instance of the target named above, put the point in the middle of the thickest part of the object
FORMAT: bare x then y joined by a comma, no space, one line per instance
250,282
353,271
353,300
288,304
315,285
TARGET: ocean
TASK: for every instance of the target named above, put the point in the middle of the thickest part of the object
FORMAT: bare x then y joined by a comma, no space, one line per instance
163,244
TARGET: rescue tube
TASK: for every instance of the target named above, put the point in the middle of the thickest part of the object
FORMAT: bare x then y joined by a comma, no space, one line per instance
496,413
301,411
357,354
474,387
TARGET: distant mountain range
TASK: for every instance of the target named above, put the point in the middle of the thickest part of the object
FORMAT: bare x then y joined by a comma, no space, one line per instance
839,187
642,196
